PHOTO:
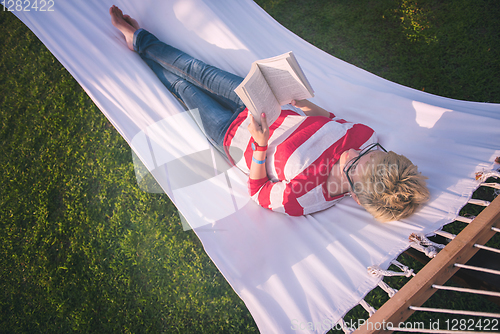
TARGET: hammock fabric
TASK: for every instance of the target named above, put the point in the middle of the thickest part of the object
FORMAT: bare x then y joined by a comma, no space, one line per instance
289,271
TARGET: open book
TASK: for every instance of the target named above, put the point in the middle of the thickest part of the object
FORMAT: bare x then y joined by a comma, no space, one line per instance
271,83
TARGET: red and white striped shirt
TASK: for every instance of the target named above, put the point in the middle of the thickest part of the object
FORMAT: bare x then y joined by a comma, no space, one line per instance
301,152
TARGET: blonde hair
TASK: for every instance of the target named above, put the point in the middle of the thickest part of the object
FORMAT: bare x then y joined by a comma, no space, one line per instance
392,188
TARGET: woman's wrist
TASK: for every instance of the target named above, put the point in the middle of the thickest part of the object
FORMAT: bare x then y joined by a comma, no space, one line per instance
261,143
258,167
259,162
256,147
259,155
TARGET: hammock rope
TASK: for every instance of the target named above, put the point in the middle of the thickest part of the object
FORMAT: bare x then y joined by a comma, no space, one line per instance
479,202
370,309
466,220
420,242
376,271
388,289
445,234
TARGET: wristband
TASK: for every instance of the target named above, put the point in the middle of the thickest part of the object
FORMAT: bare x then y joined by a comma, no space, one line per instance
257,147
260,162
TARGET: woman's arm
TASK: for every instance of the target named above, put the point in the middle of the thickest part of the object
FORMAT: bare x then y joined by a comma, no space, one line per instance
260,133
309,108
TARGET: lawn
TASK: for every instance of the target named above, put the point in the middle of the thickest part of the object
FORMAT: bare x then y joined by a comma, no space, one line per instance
83,249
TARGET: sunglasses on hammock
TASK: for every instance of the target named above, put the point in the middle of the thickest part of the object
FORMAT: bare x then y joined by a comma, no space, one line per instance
351,164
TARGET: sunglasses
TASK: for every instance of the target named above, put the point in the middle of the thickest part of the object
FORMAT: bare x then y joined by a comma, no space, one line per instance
351,164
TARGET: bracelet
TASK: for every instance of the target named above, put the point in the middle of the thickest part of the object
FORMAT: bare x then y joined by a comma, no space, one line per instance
257,147
260,162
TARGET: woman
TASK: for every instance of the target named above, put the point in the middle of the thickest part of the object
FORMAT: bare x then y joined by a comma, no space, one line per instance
297,165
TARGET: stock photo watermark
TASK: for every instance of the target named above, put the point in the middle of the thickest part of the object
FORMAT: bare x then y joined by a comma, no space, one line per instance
480,325
28,5
176,158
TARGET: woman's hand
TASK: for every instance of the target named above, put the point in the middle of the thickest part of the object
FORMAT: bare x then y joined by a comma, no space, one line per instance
299,103
309,108
260,133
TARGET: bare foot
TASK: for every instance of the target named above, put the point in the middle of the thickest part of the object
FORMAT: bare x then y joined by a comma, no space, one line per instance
131,21
125,24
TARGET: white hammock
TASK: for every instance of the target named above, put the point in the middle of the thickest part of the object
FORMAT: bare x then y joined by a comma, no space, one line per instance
288,271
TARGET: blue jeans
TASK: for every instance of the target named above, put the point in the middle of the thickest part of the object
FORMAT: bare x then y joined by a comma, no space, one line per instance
195,84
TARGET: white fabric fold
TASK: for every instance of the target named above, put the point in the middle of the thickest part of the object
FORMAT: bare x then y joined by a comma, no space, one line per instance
289,271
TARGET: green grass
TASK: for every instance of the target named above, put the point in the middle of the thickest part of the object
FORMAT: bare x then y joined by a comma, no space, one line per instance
83,249
448,48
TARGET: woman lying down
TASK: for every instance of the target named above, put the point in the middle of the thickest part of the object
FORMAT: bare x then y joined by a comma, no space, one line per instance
297,165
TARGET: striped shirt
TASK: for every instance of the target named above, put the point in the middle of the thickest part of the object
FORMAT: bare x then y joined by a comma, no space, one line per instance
301,152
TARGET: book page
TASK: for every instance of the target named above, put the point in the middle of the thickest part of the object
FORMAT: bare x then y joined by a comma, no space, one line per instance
298,71
271,83
286,85
262,99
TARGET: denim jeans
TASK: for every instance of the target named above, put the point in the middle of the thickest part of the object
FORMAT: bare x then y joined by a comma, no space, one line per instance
195,84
